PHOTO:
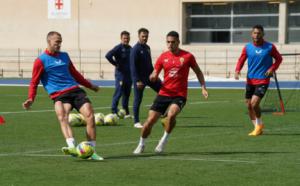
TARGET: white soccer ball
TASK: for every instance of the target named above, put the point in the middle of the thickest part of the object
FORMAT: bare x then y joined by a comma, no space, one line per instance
122,113
111,119
99,118
75,120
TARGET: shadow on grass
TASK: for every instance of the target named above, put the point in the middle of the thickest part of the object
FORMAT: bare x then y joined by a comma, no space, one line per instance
132,156
180,154
221,153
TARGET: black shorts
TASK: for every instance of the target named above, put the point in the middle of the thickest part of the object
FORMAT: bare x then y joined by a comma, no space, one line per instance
161,103
76,98
258,90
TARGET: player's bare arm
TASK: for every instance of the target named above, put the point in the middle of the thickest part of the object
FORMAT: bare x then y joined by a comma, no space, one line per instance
201,80
95,88
27,104
153,76
269,73
237,75
140,84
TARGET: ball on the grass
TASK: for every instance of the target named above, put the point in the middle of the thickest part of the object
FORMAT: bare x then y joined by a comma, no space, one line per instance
75,120
99,119
121,113
111,119
84,150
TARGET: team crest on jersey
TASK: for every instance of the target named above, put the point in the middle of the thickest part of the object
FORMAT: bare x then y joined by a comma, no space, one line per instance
181,60
142,52
123,49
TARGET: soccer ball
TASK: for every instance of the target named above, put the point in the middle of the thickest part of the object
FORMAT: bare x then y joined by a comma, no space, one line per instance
99,119
121,113
84,150
111,119
75,120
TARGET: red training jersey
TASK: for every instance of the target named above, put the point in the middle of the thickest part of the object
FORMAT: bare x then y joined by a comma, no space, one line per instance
176,70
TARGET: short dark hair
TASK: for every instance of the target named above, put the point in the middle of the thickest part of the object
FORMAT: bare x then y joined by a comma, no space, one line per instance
51,33
260,27
173,34
125,33
145,30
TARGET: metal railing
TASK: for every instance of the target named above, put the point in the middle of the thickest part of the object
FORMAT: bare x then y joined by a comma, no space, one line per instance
18,63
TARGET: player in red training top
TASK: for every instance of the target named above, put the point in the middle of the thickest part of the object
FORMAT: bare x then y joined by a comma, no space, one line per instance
171,98
61,81
260,54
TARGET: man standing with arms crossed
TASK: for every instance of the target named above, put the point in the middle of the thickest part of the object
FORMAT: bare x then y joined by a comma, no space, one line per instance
260,54
141,67
173,93
61,81
119,57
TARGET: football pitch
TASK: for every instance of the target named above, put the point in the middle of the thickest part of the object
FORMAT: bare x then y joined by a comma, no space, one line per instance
209,145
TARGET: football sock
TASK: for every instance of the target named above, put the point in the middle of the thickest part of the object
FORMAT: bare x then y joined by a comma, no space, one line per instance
258,121
70,142
93,143
165,137
142,141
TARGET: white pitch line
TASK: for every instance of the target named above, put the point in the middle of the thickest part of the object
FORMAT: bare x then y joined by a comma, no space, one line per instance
158,158
207,102
202,159
49,110
101,108
110,144
45,155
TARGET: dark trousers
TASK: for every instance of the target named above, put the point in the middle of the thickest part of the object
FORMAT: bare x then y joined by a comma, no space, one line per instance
138,97
122,89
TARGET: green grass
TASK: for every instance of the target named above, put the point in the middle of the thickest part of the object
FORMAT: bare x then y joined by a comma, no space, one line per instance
209,145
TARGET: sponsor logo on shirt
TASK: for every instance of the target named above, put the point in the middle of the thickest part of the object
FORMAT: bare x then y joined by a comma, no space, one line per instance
166,60
173,72
258,51
59,61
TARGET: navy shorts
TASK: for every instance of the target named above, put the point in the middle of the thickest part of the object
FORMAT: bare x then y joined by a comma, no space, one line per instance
258,90
76,98
161,103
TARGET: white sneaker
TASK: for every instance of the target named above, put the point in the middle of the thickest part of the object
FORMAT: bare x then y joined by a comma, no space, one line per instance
139,149
128,116
160,147
138,125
